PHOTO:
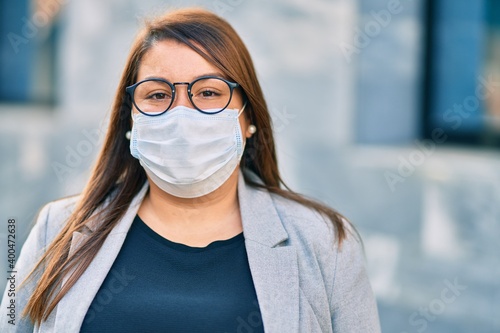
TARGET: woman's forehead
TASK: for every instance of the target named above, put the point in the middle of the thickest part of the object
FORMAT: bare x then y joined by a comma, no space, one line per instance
175,62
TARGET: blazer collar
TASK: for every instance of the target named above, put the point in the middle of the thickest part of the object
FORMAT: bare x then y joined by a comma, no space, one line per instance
72,308
273,265
256,207
261,222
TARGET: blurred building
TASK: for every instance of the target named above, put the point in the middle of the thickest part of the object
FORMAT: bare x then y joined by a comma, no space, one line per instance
388,110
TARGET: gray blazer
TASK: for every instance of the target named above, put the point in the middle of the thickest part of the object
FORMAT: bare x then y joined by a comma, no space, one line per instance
304,283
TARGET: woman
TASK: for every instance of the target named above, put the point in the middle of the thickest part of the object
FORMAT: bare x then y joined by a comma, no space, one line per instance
183,225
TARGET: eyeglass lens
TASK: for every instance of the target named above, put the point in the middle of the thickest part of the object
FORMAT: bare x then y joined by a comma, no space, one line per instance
209,95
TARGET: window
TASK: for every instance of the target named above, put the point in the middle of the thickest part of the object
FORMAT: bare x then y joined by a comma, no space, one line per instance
27,51
463,75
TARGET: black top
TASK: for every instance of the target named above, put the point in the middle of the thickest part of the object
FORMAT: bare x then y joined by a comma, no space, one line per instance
156,285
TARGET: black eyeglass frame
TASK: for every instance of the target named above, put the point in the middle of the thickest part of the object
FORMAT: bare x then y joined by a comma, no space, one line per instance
130,90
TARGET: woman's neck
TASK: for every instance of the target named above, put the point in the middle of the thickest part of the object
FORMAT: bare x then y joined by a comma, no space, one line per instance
194,221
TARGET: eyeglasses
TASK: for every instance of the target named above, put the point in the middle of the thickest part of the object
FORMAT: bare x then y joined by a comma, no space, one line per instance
208,94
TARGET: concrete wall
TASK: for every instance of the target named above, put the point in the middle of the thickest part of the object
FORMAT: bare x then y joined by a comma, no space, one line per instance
429,215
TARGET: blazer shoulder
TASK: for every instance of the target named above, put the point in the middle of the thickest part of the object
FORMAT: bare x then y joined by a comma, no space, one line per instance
49,222
309,226
304,222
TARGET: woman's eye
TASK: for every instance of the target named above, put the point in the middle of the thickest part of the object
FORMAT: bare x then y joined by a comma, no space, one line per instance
158,96
208,93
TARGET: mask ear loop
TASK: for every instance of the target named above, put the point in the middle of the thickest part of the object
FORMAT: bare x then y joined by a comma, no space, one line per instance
242,109
132,114
252,128
128,134
243,137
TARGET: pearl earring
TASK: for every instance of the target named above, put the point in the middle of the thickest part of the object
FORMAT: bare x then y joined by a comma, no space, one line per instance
252,129
128,135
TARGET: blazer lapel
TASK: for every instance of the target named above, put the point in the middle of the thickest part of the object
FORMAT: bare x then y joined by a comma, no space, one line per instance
72,308
273,265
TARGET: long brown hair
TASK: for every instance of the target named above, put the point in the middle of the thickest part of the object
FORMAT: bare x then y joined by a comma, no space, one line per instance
117,177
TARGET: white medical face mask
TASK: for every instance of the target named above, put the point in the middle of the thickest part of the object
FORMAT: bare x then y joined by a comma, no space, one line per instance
187,153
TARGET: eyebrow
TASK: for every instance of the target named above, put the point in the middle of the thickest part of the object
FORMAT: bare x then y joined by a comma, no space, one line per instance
196,77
